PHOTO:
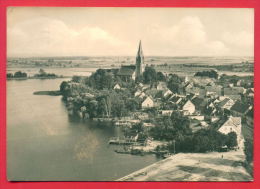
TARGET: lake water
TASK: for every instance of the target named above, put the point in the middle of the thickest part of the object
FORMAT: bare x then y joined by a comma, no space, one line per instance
44,144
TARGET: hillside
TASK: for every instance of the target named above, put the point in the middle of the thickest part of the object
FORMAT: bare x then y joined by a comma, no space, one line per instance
195,167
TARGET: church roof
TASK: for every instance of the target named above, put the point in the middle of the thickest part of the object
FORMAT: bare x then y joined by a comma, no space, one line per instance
126,70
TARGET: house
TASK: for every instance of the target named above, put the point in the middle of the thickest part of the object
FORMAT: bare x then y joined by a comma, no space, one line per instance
161,86
148,103
190,96
153,93
196,91
166,112
117,86
235,97
210,111
233,124
233,91
141,115
188,86
137,93
211,105
197,117
147,126
176,99
240,109
250,92
127,73
186,79
167,93
217,90
142,95
216,101
193,90
239,82
188,108
227,103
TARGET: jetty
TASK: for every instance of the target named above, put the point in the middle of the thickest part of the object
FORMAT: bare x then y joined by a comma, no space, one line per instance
119,141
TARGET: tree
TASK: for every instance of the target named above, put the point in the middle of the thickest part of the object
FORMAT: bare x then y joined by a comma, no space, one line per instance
248,150
93,108
65,89
149,75
20,74
76,79
42,72
211,74
9,75
101,79
174,83
231,140
102,107
132,104
160,76
138,127
118,108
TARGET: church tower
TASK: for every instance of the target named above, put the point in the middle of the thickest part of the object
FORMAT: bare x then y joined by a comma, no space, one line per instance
139,61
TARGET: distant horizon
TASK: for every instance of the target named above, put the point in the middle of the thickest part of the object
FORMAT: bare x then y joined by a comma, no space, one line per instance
99,56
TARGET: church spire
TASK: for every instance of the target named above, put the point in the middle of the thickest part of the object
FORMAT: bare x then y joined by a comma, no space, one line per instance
139,61
140,50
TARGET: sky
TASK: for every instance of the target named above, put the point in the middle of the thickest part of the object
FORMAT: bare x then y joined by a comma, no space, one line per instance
78,31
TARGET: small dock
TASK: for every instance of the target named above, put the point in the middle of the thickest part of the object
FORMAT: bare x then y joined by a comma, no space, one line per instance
118,141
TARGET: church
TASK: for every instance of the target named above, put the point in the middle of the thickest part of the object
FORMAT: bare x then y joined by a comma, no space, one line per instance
133,72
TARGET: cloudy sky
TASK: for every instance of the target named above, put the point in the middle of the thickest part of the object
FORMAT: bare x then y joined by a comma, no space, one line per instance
46,31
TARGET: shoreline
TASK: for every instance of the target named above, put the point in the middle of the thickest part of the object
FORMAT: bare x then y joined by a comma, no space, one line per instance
26,78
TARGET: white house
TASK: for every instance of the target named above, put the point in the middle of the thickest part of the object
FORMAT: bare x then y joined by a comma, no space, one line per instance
142,95
186,79
117,86
148,103
167,93
233,124
138,92
188,108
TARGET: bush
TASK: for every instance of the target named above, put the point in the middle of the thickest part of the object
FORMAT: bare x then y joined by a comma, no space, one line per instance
20,74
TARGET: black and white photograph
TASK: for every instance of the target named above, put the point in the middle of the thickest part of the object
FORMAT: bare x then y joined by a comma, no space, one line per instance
130,94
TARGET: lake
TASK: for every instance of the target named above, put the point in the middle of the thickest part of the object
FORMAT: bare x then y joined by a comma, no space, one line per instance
43,144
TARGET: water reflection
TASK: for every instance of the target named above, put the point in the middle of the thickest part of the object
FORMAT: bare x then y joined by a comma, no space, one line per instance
85,147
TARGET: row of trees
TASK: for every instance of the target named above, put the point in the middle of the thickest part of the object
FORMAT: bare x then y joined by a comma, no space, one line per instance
42,73
17,74
211,74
